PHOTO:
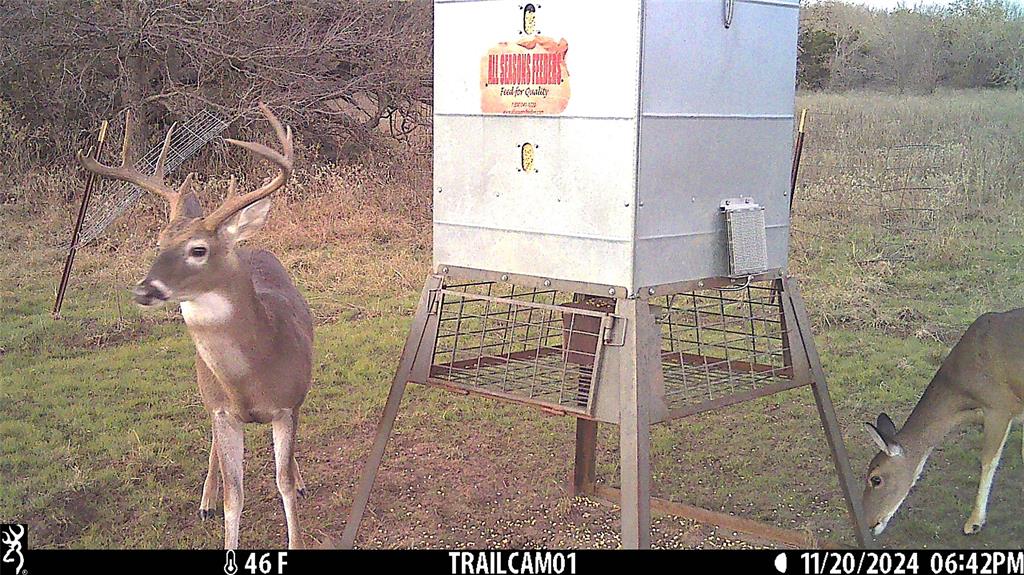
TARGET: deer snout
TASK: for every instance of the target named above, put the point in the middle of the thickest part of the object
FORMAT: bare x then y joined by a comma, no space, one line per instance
149,293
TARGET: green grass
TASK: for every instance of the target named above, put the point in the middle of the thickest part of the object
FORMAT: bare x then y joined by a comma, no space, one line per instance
103,440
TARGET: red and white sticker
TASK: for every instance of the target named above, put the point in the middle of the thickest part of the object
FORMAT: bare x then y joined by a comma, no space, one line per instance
529,76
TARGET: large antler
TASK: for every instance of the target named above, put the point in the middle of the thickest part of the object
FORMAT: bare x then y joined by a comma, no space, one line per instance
234,203
129,173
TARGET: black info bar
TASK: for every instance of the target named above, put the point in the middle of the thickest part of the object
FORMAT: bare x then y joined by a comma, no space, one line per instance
513,562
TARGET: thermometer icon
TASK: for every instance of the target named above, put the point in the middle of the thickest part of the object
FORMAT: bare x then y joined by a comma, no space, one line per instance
230,567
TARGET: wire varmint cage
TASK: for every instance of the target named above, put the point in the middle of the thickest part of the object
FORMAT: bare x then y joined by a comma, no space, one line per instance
719,343
539,346
543,346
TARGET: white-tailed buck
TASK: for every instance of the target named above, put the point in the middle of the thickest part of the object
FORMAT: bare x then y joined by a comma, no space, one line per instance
982,376
252,329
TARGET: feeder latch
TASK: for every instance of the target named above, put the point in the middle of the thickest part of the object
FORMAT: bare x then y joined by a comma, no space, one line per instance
748,243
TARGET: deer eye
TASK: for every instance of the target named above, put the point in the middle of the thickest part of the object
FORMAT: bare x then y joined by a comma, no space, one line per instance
876,480
197,251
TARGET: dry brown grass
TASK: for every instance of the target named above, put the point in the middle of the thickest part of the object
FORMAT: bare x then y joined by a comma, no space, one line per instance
869,256
352,230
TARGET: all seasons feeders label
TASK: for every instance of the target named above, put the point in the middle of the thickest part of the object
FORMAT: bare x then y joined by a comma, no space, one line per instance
525,77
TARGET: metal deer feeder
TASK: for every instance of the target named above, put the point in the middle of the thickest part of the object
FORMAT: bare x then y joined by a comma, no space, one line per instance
611,220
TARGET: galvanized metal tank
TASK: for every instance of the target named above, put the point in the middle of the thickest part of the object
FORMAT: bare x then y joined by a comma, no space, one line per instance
596,141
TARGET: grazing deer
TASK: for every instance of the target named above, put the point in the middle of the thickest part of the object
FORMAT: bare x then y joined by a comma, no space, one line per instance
983,375
252,329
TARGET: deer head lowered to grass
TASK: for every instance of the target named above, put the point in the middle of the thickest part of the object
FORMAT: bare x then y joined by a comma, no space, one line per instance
252,329
983,375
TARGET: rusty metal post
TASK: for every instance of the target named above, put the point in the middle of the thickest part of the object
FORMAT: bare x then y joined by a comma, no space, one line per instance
797,154
76,232
412,351
636,372
585,468
826,411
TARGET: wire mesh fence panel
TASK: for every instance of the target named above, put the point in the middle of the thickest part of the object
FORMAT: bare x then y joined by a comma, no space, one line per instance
113,198
901,193
717,343
538,346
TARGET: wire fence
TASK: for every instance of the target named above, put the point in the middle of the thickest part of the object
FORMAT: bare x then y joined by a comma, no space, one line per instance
902,193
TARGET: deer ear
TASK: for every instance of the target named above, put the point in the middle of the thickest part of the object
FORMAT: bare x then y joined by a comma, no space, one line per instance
247,221
875,436
888,445
189,206
886,427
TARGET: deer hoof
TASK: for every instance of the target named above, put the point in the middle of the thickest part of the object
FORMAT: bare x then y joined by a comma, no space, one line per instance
973,527
205,514
302,492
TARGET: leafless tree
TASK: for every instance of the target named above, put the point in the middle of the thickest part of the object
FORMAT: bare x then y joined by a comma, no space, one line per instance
348,72
968,44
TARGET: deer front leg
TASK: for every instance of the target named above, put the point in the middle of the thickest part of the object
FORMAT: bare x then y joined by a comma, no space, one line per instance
229,434
211,487
997,429
300,485
285,425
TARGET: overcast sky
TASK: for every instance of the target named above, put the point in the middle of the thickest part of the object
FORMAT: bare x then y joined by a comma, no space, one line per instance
890,4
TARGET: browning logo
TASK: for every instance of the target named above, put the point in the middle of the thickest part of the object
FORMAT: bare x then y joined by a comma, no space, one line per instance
529,76
13,537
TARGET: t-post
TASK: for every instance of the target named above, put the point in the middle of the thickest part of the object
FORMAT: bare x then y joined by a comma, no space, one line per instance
90,181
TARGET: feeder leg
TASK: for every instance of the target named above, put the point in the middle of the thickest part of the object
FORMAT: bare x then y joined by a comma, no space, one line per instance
413,354
372,465
635,425
584,472
833,433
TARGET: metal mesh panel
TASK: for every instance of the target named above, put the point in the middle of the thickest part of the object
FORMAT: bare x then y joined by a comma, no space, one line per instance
538,346
720,342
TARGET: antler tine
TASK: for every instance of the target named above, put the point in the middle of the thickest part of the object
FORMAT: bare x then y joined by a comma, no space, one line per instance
284,161
161,161
125,141
186,185
129,173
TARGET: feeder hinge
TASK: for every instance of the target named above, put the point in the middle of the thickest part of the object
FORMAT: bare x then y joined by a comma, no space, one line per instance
613,330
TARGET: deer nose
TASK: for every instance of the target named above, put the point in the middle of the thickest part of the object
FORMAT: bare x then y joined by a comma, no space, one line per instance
147,293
